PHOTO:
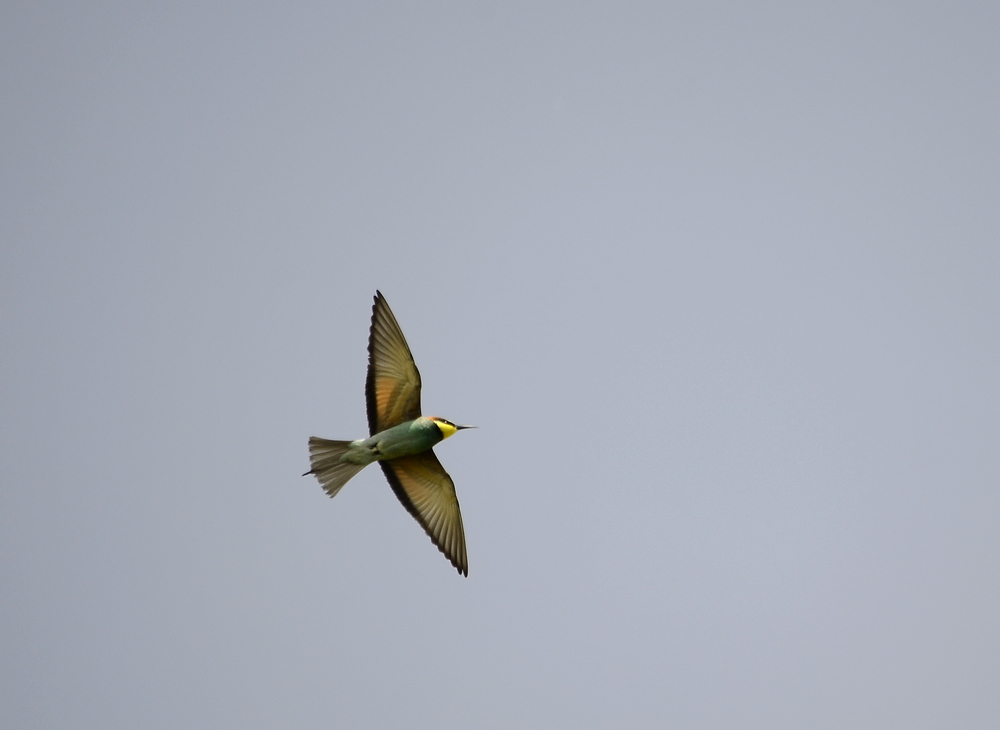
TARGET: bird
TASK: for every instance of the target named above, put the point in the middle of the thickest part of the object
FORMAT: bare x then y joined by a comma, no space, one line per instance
401,440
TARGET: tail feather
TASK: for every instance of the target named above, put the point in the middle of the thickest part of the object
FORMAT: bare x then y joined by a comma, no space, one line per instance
324,457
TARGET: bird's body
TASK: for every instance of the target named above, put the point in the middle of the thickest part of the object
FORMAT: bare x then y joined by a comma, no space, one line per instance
401,439
406,439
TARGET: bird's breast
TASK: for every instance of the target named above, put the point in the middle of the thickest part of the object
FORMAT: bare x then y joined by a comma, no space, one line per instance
412,437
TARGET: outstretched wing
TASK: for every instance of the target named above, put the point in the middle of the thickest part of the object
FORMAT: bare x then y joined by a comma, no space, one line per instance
393,385
428,493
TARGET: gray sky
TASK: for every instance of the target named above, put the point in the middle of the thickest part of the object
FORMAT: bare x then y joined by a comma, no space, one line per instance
718,282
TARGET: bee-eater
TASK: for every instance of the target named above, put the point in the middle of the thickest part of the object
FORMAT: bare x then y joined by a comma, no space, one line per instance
401,441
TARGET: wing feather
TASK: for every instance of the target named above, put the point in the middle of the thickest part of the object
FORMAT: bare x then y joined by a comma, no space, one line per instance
392,389
428,493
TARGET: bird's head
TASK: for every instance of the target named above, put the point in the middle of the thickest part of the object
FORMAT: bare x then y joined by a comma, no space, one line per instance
447,428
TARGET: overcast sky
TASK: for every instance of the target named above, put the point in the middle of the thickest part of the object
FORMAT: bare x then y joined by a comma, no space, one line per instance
719,282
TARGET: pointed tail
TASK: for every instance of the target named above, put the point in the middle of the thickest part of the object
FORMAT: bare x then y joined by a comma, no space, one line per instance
324,456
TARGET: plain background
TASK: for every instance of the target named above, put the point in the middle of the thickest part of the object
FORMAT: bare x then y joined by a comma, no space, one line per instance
717,281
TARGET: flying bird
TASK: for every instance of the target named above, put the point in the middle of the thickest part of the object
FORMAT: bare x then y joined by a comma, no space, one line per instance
401,441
